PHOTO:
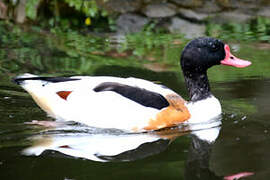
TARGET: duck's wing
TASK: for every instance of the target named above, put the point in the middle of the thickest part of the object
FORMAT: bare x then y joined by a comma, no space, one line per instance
139,95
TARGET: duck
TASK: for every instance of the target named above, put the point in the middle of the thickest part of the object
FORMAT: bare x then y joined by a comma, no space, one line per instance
133,104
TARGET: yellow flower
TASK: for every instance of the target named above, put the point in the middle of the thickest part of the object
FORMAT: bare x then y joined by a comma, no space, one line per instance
88,21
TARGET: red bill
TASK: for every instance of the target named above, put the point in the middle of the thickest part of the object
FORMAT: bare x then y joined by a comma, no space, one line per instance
231,60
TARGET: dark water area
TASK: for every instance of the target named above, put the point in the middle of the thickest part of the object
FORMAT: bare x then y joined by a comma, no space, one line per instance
240,144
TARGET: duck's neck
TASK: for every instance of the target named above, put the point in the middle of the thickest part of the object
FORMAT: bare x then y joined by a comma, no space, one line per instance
198,86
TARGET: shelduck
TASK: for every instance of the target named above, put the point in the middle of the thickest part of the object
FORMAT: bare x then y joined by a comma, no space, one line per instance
133,104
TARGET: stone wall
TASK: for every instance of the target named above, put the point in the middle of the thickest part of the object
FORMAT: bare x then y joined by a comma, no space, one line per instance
182,16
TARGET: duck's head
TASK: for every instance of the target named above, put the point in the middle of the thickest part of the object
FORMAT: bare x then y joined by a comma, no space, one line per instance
205,52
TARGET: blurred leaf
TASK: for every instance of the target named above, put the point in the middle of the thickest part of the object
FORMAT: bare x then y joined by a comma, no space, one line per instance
31,8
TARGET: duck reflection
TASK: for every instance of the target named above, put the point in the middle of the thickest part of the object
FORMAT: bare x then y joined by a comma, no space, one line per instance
99,147
197,163
112,145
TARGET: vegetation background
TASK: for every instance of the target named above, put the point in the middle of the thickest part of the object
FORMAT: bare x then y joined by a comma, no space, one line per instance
78,36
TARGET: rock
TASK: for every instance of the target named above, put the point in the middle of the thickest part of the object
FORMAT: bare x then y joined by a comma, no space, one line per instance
209,7
265,3
3,10
190,30
151,1
264,12
20,15
120,6
190,14
189,3
160,10
130,23
243,4
236,16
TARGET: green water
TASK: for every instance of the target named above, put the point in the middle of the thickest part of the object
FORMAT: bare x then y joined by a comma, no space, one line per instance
241,146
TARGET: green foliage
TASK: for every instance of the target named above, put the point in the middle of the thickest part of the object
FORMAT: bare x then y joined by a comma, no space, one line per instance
99,21
31,8
58,52
257,30
69,14
37,51
144,42
89,8
71,52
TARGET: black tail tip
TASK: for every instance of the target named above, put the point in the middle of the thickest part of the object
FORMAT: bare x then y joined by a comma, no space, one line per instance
18,80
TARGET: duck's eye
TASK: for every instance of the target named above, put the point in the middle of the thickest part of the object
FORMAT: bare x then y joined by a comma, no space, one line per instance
214,46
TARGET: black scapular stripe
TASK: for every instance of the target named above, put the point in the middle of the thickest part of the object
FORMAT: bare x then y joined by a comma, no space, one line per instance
49,79
139,95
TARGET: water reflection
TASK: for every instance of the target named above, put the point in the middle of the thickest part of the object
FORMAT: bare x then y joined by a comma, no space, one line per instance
99,147
113,145
197,163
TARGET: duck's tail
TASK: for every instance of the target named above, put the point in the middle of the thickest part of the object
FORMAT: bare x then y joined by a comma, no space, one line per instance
26,77
20,79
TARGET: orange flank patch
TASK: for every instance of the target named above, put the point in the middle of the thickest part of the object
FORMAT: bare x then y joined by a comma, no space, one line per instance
63,94
172,115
